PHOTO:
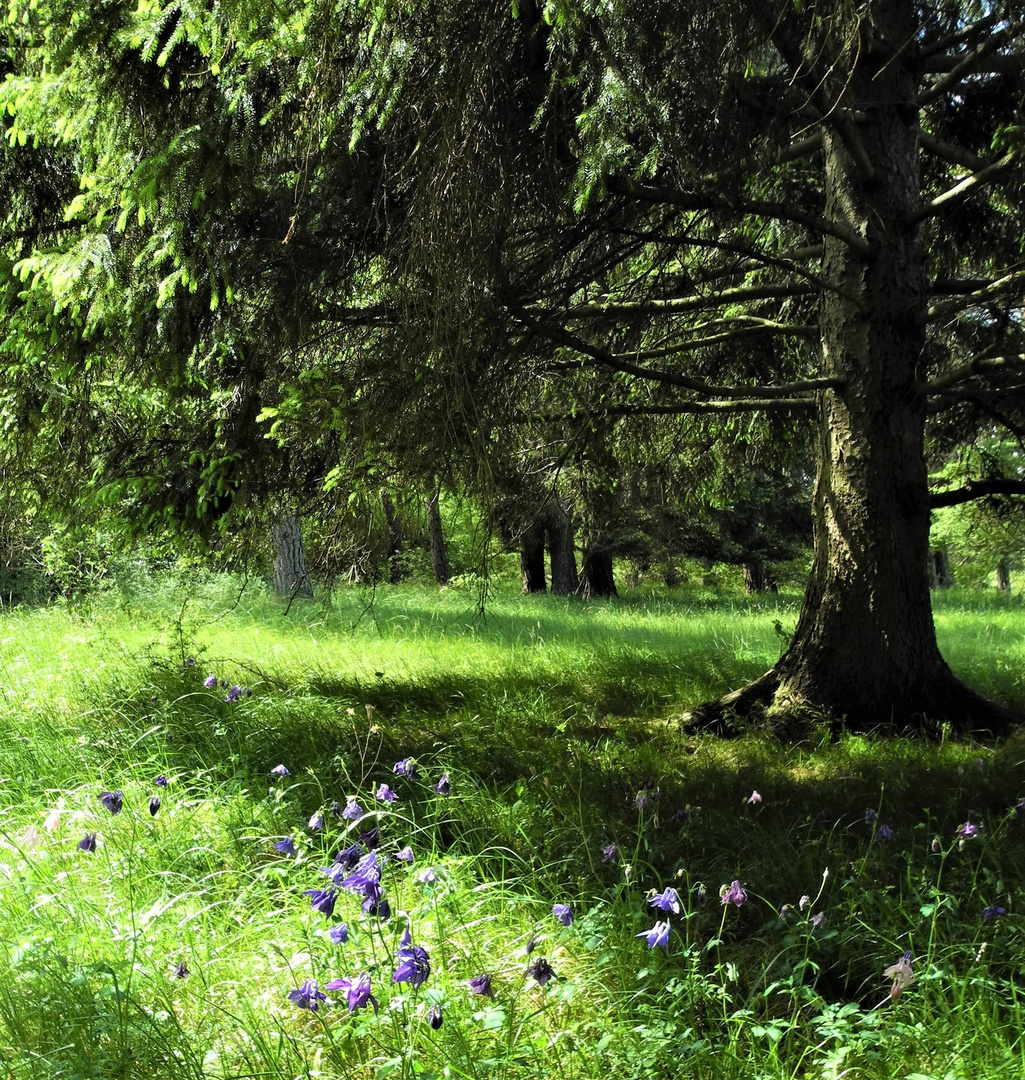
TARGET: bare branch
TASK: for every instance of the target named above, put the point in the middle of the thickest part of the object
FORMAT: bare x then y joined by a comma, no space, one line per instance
682,304
960,70
762,326
1001,287
962,190
958,37
741,405
969,370
975,489
956,155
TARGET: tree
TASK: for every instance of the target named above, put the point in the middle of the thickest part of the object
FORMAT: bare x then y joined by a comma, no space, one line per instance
436,227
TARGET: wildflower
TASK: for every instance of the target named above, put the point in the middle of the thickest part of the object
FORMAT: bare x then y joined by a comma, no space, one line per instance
88,842
935,847
784,911
871,817
610,853
753,799
376,906
350,856
541,971
53,818
336,809
210,682
365,876
702,894
1020,805
884,833
112,800
563,913
968,829
384,794
444,785
733,895
817,921
434,1016
316,822
405,767
992,911
657,935
414,963
154,805
803,902
481,984
339,934
322,900
160,781
406,854
233,694
286,846
307,996
902,974
352,809
190,661
642,800
181,971
372,837
280,770
667,900
427,876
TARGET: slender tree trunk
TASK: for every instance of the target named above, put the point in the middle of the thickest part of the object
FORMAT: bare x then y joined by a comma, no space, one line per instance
290,576
1004,576
670,575
944,575
394,539
596,578
930,569
561,551
532,559
439,559
754,576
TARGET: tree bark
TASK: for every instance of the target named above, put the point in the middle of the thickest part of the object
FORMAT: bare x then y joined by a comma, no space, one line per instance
439,558
754,576
596,579
864,651
944,575
561,551
532,560
394,539
1004,576
290,575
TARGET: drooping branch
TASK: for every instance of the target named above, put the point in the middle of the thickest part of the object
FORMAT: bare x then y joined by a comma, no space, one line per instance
958,37
1001,287
975,489
967,371
681,305
739,405
961,70
961,191
946,151
760,327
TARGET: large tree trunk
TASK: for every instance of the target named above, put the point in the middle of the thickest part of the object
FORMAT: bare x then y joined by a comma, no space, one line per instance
596,578
754,576
864,651
561,551
290,576
532,559
439,559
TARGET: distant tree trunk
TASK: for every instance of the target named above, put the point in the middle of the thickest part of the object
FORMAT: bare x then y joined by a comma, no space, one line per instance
754,576
596,578
670,575
532,560
394,539
439,560
944,577
930,569
1004,576
561,551
290,576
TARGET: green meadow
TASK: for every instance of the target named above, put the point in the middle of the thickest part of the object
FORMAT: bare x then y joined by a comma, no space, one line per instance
874,928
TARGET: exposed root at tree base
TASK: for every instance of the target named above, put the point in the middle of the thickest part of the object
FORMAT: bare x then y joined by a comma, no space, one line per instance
949,707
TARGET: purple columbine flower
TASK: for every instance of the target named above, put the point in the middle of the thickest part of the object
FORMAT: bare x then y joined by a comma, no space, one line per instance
405,767
154,805
210,682
112,800
357,991
884,833
734,894
366,872
322,900
339,934
352,809
563,913
376,906
968,829
414,963
88,842
316,822
434,1016
280,770
642,800
427,876
1020,805
384,794
667,900
541,971
372,837
161,781
902,974
190,661
992,911
701,893
444,785
817,921
336,809
610,853
350,856
406,854
657,935
871,817
286,846
181,971
233,694
481,984
307,996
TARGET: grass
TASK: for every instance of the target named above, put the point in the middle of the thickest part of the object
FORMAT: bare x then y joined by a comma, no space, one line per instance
553,721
